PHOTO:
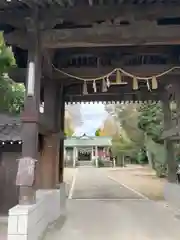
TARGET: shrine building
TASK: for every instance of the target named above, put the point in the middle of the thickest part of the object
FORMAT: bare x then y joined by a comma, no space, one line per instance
87,150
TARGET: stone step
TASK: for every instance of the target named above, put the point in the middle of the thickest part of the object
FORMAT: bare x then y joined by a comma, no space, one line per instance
84,163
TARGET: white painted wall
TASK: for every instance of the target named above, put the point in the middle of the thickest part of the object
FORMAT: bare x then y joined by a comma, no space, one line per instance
28,222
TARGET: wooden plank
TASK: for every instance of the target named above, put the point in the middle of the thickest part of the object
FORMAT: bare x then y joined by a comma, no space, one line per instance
19,74
102,36
89,14
129,12
130,96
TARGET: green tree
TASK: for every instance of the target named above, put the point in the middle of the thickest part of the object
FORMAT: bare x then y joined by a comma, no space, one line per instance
151,123
126,116
131,138
150,120
97,133
11,93
69,132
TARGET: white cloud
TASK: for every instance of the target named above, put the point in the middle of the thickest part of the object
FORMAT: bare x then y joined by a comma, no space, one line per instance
93,116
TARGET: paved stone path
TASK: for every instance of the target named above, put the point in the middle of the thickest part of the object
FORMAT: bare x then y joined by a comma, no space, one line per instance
93,183
121,215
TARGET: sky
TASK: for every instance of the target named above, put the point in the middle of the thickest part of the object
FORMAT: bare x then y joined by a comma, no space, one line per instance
93,116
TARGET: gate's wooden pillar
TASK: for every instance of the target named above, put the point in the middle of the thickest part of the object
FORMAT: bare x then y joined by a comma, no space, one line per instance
49,162
176,88
30,115
62,185
61,128
170,154
50,153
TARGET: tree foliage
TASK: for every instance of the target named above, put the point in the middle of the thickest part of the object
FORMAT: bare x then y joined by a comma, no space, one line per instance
109,127
152,124
130,138
150,120
68,124
11,93
69,132
97,133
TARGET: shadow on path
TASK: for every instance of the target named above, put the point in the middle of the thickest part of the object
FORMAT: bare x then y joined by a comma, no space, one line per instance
124,216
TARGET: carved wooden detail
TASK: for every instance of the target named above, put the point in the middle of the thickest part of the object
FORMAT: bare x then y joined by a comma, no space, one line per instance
26,170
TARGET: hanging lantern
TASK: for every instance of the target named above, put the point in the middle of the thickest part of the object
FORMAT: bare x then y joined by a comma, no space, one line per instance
118,77
104,86
154,83
85,91
135,83
94,86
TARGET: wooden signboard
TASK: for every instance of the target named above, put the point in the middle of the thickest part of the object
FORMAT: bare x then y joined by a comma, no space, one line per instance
26,170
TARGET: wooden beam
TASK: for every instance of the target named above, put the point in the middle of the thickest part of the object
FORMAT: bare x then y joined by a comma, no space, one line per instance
47,63
102,36
104,97
141,70
18,74
93,13
53,15
113,90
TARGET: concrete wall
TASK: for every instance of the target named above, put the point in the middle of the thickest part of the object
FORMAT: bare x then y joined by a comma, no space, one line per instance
172,194
30,222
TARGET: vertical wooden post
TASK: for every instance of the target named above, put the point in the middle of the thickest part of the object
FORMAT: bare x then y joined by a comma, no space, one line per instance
92,154
170,156
61,145
50,154
177,100
62,184
30,115
96,156
49,162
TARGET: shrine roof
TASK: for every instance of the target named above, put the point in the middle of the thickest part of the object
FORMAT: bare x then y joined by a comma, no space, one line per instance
10,128
84,141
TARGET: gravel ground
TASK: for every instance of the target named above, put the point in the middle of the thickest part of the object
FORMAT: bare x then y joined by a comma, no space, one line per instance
142,179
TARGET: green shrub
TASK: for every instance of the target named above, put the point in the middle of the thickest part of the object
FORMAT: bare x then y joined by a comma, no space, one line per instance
161,170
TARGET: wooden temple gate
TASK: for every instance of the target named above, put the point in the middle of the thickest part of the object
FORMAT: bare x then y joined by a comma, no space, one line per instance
60,44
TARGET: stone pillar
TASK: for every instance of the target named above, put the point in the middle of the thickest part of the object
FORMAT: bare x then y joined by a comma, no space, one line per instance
96,156
74,156
92,154
30,114
62,184
62,136
65,156
170,155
